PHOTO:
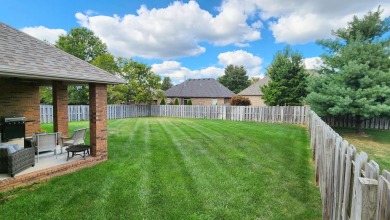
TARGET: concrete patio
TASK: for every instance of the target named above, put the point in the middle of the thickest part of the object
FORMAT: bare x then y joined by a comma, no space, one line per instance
46,160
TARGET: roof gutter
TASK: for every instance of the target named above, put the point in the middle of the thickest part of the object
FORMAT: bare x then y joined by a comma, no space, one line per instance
37,75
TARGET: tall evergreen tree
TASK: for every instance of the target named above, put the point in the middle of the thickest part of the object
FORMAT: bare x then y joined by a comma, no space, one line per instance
287,85
166,84
355,78
235,78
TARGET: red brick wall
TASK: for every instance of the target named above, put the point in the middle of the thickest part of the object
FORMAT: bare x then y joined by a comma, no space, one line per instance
18,98
60,108
98,119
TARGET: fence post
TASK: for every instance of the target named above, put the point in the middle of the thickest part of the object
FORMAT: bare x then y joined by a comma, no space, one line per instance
366,196
383,204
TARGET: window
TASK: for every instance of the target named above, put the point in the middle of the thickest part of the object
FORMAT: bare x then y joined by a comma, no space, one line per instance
214,102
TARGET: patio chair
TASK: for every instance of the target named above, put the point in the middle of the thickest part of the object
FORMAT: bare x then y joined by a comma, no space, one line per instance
78,137
46,142
17,161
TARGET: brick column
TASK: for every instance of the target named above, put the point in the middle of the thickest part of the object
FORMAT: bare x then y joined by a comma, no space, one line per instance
60,107
98,119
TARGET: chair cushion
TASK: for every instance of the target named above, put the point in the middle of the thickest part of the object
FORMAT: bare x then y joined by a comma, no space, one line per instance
10,148
17,147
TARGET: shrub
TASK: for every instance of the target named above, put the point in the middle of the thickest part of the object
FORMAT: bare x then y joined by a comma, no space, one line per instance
176,101
162,102
189,102
240,101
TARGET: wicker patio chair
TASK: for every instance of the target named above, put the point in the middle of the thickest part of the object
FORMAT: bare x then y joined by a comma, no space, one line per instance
17,161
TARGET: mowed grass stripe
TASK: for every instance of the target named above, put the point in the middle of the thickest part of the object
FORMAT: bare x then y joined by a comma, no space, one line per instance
283,149
210,176
171,168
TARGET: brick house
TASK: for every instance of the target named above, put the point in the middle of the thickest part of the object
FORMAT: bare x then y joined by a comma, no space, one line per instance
27,63
200,91
254,93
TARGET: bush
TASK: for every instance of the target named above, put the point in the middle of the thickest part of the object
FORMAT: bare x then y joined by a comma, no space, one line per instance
240,101
176,101
162,102
189,102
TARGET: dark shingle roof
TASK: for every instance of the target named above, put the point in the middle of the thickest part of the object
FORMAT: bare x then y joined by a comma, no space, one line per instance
24,56
254,89
200,88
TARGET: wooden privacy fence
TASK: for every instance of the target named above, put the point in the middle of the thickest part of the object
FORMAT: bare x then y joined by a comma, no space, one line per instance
351,186
283,114
348,122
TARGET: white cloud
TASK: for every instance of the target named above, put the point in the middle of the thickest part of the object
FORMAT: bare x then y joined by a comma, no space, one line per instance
44,33
302,21
178,73
242,58
174,31
313,63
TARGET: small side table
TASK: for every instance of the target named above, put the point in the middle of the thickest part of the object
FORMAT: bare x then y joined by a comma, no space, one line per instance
77,149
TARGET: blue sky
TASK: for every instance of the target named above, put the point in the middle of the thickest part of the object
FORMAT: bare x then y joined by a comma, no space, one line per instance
193,39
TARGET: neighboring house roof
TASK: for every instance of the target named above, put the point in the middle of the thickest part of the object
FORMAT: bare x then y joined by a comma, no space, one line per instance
24,56
199,88
254,89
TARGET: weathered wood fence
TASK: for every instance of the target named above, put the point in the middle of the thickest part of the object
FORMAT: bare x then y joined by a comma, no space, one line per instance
348,122
283,114
351,186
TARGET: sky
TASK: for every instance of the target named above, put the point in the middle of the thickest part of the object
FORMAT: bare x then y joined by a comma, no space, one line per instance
194,39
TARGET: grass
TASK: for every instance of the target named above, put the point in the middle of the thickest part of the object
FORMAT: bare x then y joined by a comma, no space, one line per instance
376,143
170,168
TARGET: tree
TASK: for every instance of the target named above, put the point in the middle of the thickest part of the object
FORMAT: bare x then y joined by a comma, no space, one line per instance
141,85
166,84
106,62
46,95
162,102
189,102
287,85
235,78
176,101
355,78
82,43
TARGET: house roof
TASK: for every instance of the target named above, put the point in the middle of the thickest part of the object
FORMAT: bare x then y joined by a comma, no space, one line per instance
199,88
254,89
24,56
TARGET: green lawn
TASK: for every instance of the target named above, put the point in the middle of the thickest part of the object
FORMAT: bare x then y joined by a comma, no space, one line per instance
171,168
376,143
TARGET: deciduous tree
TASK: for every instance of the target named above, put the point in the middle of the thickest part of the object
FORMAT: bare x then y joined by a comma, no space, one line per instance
84,44
355,78
141,85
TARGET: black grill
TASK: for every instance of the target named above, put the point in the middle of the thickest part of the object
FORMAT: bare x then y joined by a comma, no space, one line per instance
12,127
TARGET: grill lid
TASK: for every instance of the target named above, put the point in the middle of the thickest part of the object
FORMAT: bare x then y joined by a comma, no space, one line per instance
13,119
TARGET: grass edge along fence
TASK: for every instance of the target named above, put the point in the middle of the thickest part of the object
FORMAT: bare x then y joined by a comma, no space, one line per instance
350,185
